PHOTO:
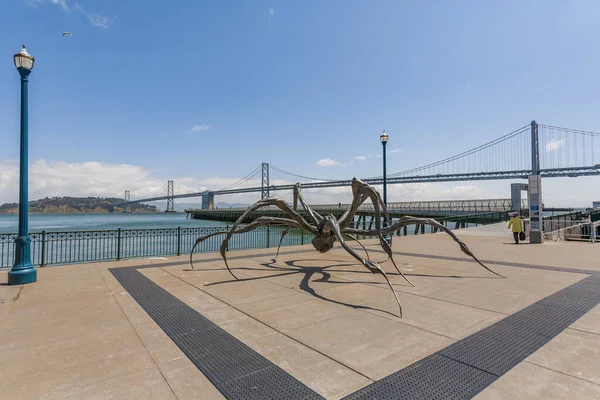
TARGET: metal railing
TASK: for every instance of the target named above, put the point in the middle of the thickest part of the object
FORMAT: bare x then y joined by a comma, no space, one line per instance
585,231
450,222
107,245
471,206
51,248
563,221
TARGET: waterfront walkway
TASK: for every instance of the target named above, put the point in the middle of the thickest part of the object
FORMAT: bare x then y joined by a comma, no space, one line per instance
312,325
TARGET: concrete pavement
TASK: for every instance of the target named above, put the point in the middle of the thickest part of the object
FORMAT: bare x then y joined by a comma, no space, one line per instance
322,318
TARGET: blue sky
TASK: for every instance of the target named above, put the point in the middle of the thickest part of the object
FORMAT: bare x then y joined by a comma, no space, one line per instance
290,83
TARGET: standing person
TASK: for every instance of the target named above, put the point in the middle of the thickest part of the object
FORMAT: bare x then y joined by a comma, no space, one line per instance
517,226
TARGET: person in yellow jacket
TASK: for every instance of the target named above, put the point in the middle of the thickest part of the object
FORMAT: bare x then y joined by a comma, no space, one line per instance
517,226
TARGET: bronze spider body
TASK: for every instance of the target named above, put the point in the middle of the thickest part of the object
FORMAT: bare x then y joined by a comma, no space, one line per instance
327,229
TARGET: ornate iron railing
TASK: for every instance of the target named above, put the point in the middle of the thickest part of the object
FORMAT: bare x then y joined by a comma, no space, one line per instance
86,246
470,206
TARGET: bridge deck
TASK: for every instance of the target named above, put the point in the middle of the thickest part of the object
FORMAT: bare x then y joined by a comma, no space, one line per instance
311,324
231,215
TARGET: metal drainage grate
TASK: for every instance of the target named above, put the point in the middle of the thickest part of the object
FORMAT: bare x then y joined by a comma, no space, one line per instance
459,371
504,263
495,349
476,361
236,370
434,377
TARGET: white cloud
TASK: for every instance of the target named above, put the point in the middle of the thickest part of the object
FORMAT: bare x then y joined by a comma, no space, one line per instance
271,14
49,179
554,145
360,158
100,21
200,128
111,180
388,152
61,3
75,179
96,19
327,162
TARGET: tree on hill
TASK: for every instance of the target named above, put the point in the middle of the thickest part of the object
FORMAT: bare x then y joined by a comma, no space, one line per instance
76,205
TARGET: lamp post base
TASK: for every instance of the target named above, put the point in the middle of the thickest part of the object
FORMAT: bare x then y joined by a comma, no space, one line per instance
22,276
23,270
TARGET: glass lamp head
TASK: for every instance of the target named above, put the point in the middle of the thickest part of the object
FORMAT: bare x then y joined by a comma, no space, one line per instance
24,60
383,137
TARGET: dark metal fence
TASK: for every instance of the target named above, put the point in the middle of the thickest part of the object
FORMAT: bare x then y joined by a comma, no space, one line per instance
575,217
86,246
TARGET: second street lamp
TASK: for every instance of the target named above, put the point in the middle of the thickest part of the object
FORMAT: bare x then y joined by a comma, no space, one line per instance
384,140
23,270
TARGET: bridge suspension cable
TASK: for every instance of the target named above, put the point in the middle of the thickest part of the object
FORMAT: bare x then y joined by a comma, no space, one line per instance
180,189
567,148
301,177
159,190
509,152
244,179
562,152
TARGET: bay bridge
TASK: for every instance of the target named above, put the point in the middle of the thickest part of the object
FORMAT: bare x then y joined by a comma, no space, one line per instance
533,150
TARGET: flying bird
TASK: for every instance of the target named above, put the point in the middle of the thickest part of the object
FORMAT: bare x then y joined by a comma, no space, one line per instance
67,34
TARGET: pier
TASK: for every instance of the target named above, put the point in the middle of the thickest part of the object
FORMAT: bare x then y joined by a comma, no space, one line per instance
451,208
138,328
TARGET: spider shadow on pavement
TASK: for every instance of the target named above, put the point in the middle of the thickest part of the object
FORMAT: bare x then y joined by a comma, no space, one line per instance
294,267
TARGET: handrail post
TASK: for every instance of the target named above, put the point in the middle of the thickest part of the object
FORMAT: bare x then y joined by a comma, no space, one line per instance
302,237
268,236
178,240
118,244
43,258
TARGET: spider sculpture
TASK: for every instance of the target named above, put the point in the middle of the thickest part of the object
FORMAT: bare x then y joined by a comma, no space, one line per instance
327,229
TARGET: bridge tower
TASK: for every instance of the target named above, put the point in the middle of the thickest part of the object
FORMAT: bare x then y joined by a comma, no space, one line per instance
170,199
535,149
265,181
208,201
127,202
536,229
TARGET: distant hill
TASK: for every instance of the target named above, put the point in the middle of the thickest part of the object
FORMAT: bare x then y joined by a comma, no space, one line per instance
73,205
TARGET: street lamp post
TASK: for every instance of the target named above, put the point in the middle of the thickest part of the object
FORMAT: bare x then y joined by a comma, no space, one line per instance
23,270
384,139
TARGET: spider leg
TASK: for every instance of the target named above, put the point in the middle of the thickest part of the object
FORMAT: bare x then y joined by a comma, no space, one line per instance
283,206
285,232
361,245
271,201
370,265
348,216
253,225
404,221
382,272
361,192
378,204
388,249
315,216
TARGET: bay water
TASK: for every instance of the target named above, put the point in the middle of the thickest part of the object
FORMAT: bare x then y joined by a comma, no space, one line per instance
105,221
